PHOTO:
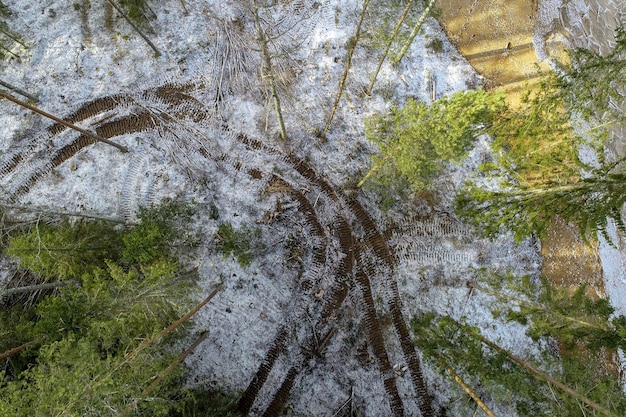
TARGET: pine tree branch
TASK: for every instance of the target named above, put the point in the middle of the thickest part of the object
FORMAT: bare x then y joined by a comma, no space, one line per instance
96,381
539,307
128,19
388,47
537,373
63,122
130,356
414,33
159,378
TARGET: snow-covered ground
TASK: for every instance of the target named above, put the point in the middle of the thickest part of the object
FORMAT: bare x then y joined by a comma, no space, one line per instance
200,126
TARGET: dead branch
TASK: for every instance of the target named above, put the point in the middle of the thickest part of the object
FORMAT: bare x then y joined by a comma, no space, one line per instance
63,122
19,91
14,351
145,38
342,82
267,71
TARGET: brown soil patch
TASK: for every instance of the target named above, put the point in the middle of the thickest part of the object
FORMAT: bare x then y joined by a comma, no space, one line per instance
496,38
569,262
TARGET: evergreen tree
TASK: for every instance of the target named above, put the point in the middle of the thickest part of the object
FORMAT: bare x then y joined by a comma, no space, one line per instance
538,166
416,141
573,319
511,381
104,346
589,202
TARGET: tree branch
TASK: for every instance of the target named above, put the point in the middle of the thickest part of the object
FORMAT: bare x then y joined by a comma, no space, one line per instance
63,122
145,38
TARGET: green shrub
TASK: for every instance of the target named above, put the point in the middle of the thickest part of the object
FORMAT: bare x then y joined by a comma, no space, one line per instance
417,140
236,243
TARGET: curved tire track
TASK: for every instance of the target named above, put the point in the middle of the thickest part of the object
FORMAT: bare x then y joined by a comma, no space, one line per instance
354,272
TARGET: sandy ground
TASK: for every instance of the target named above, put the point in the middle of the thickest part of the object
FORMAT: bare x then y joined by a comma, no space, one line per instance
497,39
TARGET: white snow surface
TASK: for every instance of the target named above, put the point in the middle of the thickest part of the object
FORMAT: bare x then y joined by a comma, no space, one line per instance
72,60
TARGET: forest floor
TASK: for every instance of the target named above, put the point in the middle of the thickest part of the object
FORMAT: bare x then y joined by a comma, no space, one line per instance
321,313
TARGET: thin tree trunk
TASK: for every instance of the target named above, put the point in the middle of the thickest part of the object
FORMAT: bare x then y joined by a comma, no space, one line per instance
267,71
387,47
130,356
37,287
145,38
414,33
63,122
155,383
19,91
466,388
342,82
14,351
539,374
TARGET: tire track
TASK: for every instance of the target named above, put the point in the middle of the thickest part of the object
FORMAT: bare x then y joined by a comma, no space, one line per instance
359,244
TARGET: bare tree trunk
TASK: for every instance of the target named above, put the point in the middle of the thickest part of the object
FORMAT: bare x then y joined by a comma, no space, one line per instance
267,71
63,122
388,46
414,33
342,82
466,388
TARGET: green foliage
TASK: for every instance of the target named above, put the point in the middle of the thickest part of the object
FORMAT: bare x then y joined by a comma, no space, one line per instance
67,250
588,203
136,10
436,45
594,85
538,166
8,38
497,377
573,319
536,143
416,141
199,403
161,230
439,338
90,361
4,10
236,243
